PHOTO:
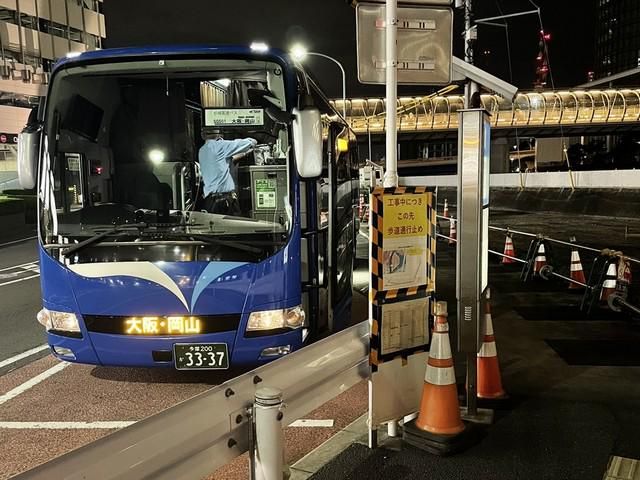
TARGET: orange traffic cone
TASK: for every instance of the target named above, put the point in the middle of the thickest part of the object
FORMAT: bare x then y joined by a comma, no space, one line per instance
445,213
609,284
453,231
439,409
577,273
540,261
489,380
508,250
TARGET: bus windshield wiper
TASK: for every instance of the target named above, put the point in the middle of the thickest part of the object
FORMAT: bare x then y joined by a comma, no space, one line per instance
100,236
201,237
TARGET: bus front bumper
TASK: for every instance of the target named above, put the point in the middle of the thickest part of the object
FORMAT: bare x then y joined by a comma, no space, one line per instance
137,351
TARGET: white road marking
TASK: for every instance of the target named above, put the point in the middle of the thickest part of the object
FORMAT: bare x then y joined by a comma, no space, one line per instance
32,383
17,241
304,422
22,265
65,425
22,355
19,280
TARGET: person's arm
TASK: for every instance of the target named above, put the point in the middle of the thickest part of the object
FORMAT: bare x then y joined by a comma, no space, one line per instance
236,149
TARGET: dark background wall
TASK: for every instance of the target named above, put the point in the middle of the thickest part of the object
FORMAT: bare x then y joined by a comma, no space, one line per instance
328,26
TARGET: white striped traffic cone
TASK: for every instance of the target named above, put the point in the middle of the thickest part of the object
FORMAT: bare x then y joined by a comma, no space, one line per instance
609,284
540,261
508,250
439,408
489,380
445,213
577,273
453,232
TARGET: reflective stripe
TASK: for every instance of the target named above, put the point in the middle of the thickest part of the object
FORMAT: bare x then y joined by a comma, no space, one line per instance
440,348
576,267
609,284
440,376
575,256
488,349
488,329
440,327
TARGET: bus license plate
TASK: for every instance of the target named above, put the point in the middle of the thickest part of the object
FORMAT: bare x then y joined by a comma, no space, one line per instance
201,356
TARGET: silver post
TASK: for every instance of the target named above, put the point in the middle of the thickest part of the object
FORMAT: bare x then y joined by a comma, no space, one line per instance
269,441
391,174
471,87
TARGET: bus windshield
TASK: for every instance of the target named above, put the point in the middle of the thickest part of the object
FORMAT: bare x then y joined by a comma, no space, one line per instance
192,153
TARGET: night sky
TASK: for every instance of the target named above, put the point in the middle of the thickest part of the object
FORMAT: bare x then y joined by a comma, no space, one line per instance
328,26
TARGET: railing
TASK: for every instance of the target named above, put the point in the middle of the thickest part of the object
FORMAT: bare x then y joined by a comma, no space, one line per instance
565,108
616,301
194,438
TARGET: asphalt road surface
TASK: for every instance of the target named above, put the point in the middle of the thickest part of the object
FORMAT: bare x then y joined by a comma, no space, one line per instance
48,408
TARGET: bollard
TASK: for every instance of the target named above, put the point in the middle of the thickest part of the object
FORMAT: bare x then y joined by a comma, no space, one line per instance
269,440
392,428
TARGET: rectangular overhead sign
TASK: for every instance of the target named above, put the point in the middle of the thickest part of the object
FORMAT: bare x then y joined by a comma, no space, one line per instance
233,117
425,38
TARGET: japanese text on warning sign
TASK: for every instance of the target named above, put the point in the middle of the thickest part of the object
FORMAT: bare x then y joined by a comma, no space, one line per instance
405,244
405,215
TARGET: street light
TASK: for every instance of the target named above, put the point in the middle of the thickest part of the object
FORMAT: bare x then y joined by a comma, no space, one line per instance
299,53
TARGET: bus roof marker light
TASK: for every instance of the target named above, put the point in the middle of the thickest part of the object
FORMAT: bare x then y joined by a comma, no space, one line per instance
299,52
260,47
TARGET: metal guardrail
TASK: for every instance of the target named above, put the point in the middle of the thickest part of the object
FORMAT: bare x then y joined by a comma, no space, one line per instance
194,438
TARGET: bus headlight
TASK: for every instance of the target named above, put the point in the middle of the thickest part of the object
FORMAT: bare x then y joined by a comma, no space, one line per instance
61,321
276,319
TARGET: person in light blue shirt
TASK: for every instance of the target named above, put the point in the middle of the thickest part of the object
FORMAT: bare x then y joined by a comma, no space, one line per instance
216,158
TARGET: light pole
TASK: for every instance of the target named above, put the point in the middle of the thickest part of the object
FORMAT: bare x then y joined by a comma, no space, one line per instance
299,53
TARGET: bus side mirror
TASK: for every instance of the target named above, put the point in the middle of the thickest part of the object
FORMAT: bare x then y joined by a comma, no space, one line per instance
307,141
28,153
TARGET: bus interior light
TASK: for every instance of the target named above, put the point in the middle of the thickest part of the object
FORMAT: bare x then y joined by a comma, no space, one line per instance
156,156
276,319
61,321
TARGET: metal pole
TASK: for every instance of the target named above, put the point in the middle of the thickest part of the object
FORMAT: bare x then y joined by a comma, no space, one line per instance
344,80
471,87
391,173
269,441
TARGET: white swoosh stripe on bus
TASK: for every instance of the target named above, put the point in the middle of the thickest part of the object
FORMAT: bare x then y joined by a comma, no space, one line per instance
143,270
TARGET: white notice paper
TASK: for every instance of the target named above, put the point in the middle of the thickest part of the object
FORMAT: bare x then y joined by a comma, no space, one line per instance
404,325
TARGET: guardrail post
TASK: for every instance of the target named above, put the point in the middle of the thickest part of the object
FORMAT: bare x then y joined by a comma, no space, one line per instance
269,440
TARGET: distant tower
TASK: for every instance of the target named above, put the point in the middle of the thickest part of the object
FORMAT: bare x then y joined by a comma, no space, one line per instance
542,61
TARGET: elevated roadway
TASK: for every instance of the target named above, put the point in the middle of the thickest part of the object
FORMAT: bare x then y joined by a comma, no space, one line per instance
543,113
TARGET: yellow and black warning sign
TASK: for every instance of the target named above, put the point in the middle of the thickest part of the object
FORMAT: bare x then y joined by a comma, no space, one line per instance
403,245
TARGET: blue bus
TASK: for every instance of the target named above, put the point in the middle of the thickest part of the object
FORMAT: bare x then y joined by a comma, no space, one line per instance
136,270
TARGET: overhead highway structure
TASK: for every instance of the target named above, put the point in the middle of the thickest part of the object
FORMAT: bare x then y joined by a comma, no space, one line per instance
544,113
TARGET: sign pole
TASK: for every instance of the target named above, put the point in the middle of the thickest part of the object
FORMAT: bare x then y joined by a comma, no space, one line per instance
391,23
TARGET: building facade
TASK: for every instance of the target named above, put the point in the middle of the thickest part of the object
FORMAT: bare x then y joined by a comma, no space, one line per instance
617,36
33,34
